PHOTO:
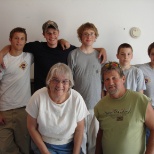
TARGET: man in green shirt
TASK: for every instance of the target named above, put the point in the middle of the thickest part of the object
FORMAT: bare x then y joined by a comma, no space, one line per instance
122,116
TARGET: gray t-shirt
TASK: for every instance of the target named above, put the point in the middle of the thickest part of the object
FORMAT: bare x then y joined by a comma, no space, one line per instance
86,70
148,72
134,79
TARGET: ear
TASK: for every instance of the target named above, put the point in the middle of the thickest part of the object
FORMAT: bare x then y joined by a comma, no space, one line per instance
117,55
124,79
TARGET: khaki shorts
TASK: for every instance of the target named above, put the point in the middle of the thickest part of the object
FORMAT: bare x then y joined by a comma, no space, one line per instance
14,136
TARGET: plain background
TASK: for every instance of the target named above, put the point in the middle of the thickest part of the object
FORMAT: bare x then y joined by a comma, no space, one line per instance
113,18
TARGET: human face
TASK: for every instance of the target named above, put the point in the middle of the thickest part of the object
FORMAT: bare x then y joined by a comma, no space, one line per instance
152,56
88,37
59,87
51,36
114,84
18,41
125,55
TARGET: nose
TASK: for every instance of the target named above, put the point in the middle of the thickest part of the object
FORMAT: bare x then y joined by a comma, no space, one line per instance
110,81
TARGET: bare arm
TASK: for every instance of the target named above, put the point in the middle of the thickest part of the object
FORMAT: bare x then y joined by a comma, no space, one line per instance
150,124
102,54
2,120
32,128
3,52
78,135
99,149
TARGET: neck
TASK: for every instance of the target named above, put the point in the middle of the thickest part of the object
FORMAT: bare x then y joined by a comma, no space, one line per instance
58,100
125,67
52,45
118,95
152,65
86,49
14,52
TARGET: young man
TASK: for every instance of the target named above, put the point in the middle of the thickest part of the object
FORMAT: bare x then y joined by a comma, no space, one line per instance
134,76
122,116
48,53
148,71
14,95
86,68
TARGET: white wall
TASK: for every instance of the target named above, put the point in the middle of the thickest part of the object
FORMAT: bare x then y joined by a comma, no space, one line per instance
113,18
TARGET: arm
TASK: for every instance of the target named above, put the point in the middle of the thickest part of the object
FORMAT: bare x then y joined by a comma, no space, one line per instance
2,120
102,54
32,128
99,149
65,44
3,52
78,135
150,124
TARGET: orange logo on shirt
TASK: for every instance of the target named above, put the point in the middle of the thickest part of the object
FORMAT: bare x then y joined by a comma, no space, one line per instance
23,65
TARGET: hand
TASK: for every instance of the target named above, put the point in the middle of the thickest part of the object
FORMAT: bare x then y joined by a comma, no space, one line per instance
65,44
1,61
2,120
102,55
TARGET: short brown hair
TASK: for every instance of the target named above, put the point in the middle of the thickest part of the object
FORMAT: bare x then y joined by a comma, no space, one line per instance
151,46
124,45
85,26
112,66
20,30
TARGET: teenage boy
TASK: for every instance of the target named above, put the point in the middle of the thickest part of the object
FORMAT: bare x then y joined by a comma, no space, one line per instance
148,71
134,76
123,115
48,53
14,95
86,68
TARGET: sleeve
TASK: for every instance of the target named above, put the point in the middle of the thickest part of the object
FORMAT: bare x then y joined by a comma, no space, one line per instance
32,107
71,62
140,80
82,110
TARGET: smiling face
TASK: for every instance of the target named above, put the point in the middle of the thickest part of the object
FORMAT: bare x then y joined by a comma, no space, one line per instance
88,37
51,36
59,86
18,41
125,55
114,84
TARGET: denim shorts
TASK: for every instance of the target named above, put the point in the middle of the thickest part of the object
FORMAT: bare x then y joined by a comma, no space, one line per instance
55,149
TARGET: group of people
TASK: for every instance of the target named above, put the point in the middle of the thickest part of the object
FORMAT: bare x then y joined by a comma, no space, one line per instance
81,105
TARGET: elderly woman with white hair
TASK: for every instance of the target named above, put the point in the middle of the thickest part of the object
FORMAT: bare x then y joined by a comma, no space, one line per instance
56,114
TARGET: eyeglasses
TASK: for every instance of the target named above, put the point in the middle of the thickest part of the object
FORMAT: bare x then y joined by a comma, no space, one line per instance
111,65
88,34
56,81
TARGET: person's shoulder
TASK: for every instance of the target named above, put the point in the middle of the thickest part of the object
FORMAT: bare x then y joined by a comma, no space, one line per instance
74,51
136,94
143,65
72,47
42,91
102,101
75,93
136,69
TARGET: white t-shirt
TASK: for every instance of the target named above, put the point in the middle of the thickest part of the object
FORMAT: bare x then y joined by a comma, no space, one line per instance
15,81
57,122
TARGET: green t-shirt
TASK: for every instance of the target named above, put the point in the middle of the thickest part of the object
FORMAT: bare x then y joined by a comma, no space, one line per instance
122,121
